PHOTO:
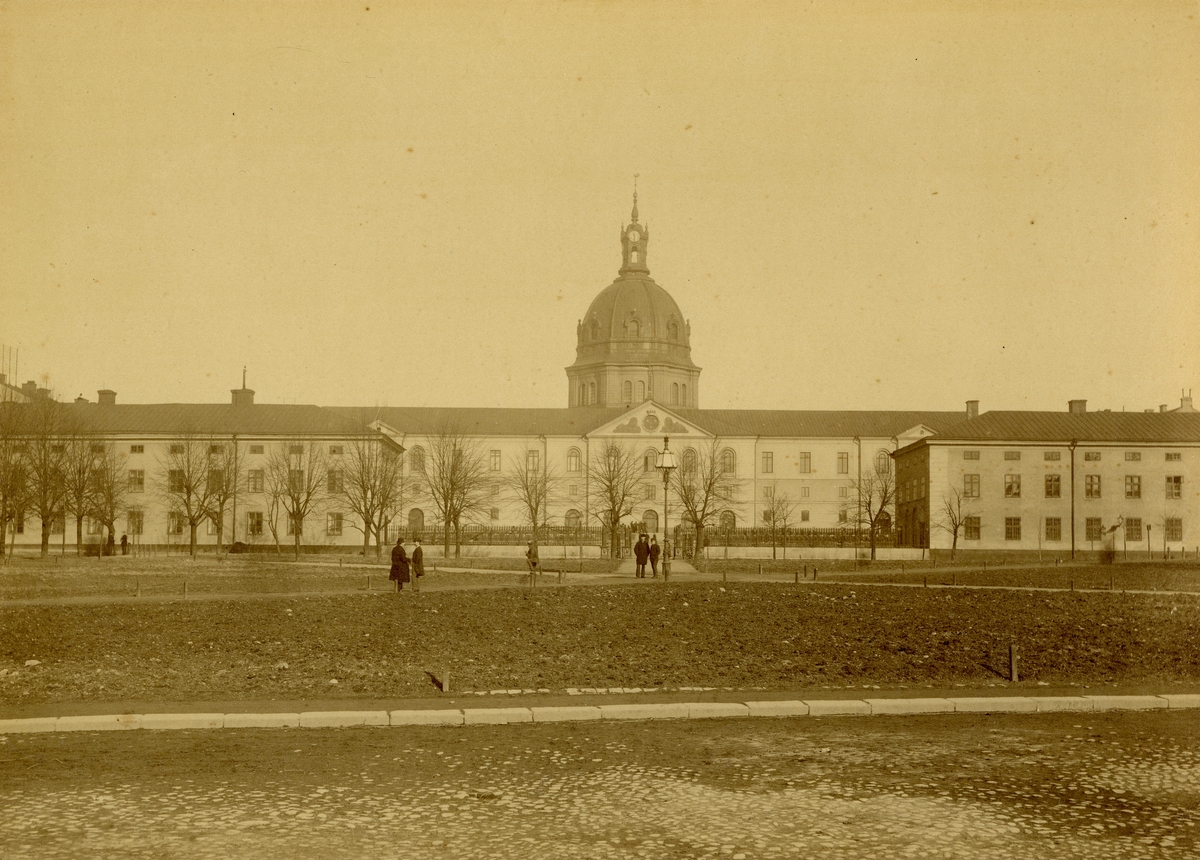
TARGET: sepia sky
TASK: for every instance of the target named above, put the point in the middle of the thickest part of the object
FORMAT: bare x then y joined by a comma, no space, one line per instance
858,206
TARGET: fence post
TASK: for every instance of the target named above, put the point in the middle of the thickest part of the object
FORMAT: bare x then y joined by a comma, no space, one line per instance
1012,663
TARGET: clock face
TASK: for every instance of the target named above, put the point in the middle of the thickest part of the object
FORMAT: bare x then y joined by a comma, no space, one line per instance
634,235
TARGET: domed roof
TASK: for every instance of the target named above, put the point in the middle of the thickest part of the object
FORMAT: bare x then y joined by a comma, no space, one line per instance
634,307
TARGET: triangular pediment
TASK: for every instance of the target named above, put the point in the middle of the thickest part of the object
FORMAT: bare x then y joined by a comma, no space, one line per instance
650,419
913,434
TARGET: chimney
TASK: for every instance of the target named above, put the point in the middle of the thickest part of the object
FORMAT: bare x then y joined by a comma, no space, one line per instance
29,389
1185,403
972,409
81,399
106,397
242,396
1162,407
1077,407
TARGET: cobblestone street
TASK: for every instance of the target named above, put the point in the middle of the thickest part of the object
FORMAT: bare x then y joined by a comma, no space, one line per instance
1094,786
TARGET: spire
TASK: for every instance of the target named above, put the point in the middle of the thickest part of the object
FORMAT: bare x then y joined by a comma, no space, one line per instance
633,216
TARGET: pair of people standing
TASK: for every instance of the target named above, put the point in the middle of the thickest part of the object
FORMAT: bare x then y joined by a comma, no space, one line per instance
402,570
647,550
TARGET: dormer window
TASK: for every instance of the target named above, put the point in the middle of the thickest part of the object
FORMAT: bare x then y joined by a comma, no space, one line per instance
632,329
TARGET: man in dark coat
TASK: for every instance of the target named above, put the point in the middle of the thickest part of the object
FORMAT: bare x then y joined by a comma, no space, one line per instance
641,551
654,552
418,560
399,571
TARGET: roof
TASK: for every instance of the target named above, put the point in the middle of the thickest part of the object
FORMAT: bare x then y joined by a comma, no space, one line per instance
817,423
484,421
1063,427
220,419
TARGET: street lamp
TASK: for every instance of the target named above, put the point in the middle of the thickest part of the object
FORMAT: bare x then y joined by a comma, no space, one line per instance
666,465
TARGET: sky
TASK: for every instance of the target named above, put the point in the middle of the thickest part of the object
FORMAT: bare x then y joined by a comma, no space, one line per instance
857,205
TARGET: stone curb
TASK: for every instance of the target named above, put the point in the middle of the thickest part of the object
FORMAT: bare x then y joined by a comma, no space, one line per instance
661,711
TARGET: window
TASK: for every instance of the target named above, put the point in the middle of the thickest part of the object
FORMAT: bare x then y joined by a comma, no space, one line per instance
573,491
216,481
494,461
254,523
212,525
649,492
804,492
134,522
137,480
1012,528
175,523
843,463
1053,528
495,489
970,455
416,459
214,449
728,462
1092,528
1091,456
254,481
1012,455
335,482
843,517
683,395
1012,486
970,486
335,450
805,462
574,461
296,450
256,449
533,460
175,481
1091,486
58,449
768,462
58,525
689,462
804,516
627,391
843,492
768,492
97,449
1133,455
137,449
20,522
674,393
1174,486
883,463
295,525
592,393
1174,528
1133,528
641,391
495,513
971,528
296,482
333,524
94,526
1173,457
1052,455
176,448
1054,486
1133,486
572,519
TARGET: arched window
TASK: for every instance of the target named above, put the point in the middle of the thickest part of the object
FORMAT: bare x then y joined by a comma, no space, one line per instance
572,520
728,521
650,460
883,463
689,462
674,393
573,460
416,521
641,391
650,521
591,394
633,255
673,330
627,389
594,330
416,460
683,395
633,329
728,462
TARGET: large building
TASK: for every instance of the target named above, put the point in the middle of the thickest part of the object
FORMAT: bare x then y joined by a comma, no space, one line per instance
633,383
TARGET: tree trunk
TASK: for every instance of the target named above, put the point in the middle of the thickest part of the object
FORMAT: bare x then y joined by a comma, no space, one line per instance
45,538
457,539
699,548
192,538
367,540
613,538
446,538
872,541
78,534
954,545
298,527
3,530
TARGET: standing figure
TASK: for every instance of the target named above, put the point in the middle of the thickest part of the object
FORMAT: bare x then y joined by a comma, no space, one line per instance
654,553
531,556
641,551
399,571
418,560
124,544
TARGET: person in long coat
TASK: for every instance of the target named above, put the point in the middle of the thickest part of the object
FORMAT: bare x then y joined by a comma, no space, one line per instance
399,571
654,553
418,560
641,551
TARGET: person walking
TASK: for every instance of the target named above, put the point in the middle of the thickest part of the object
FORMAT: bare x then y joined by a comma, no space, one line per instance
641,551
654,553
399,571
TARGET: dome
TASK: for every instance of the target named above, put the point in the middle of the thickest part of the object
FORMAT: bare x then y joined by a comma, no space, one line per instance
631,313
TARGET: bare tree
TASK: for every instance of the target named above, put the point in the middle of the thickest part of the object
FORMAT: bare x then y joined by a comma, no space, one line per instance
80,451
110,487
13,483
397,489
457,482
184,482
615,473
777,513
372,484
533,486
952,516
705,486
45,463
297,477
872,498
223,482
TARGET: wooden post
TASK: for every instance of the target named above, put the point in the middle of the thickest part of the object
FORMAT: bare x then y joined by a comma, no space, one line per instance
724,575
925,581
760,568
138,583
446,681
368,582
954,578
185,589
1012,663
806,571
797,572
814,574
1072,585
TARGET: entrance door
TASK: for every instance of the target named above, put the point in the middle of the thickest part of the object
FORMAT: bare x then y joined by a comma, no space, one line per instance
650,519
416,521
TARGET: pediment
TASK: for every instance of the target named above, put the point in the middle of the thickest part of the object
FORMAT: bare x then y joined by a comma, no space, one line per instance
650,419
914,434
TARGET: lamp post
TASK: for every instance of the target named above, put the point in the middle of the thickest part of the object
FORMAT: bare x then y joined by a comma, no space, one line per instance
666,465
